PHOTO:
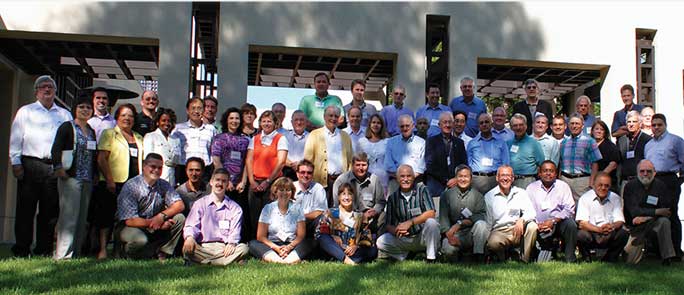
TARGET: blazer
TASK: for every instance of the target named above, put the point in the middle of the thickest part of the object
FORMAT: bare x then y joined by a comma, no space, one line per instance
112,140
543,107
315,150
436,165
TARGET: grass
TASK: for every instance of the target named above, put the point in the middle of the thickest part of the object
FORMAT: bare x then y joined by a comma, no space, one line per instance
86,276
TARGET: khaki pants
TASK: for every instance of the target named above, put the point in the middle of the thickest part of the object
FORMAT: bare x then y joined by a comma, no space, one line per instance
578,186
637,239
502,238
212,253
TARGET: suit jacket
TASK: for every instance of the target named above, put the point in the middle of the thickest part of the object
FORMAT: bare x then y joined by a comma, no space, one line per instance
436,165
543,107
315,150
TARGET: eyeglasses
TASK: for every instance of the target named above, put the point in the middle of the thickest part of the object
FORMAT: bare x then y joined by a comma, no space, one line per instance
45,87
398,93
649,171
531,87
305,172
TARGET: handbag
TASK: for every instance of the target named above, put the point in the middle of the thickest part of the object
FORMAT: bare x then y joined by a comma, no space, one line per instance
68,155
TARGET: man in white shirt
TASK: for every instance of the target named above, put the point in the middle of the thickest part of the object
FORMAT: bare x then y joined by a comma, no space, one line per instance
296,139
101,118
355,130
310,196
31,137
600,219
195,140
510,215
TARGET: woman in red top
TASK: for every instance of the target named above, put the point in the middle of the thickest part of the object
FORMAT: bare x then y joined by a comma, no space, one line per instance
266,155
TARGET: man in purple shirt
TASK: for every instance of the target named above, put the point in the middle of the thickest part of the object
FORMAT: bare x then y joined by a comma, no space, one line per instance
212,229
555,207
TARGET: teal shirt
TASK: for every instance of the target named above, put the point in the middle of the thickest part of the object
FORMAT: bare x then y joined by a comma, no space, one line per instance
313,107
526,155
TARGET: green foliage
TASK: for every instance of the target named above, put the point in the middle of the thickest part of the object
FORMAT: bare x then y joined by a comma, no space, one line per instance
495,102
88,276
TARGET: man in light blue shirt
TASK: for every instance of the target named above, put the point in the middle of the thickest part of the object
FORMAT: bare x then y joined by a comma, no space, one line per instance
525,152
470,104
392,112
666,151
499,129
432,110
549,145
485,155
404,148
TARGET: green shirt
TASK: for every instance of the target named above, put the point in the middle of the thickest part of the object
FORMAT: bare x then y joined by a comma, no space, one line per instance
314,107
452,204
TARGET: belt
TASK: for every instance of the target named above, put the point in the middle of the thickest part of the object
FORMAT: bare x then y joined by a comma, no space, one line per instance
666,174
46,161
484,173
569,175
524,175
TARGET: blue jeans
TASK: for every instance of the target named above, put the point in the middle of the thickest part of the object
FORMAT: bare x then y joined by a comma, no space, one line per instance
331,247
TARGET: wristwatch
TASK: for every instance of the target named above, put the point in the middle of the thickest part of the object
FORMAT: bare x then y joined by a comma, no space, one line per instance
459,222
164,216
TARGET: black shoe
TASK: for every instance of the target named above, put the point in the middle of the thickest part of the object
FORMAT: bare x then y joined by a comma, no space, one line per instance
478,258
671,260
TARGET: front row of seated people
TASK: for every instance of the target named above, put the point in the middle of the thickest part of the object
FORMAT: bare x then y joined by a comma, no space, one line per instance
507,220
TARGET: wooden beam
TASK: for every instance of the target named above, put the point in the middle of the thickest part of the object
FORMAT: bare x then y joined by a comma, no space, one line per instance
377,62
294,72
539,64
121,63
323,52
38,58
13,34
154,55
81,61
258,70
337,63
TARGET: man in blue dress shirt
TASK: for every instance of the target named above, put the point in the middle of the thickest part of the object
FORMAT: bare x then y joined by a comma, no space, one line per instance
485,155
470,104
392,112
432,109
619,127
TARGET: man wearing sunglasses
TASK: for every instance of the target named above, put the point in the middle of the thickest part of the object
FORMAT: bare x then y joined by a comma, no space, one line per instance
533,105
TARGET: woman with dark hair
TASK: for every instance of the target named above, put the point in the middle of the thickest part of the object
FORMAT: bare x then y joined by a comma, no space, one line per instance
248,116
345,234
119,156
162,142
229,151
76,141
375,146
609,152
266,155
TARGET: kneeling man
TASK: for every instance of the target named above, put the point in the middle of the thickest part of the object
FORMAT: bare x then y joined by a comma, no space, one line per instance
149,211
410,224
212,229
511,216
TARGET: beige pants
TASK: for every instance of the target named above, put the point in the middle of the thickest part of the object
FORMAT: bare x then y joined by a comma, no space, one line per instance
502,238
212,253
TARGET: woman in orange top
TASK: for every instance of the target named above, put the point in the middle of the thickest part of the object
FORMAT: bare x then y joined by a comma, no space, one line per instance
266,155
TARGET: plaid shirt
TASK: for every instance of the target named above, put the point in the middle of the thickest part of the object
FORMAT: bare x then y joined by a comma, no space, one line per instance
137,199
578,153
399,209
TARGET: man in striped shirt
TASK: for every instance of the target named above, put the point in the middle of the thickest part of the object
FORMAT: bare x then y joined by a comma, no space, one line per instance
411,224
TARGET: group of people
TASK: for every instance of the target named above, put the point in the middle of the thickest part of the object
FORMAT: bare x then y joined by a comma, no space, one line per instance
347,182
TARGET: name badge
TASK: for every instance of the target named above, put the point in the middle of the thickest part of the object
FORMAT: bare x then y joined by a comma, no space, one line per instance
472,116
349,222
448,160
319,104
415,212
224,224
630,154
235,155
487,161
466,213
91,145
514,212
367,196
434,122
514,148
545,205
652,200
133,151
281,235
588,130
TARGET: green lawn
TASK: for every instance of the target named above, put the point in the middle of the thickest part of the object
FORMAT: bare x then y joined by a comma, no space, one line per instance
85,276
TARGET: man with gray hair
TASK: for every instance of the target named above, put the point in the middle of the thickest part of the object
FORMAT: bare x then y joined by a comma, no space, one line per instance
279,110
485,155
405,148
533,104
370,196
525,153
631,146
499,130
469,104
31,136
583,107
550,146
443,152
354,128
391,113
648,207
579,156
144,120
296,139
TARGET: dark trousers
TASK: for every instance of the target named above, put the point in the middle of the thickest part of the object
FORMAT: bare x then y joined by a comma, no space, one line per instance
329,190
567,231
614,242
362,254
241,199
673,186
37,190
256,201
